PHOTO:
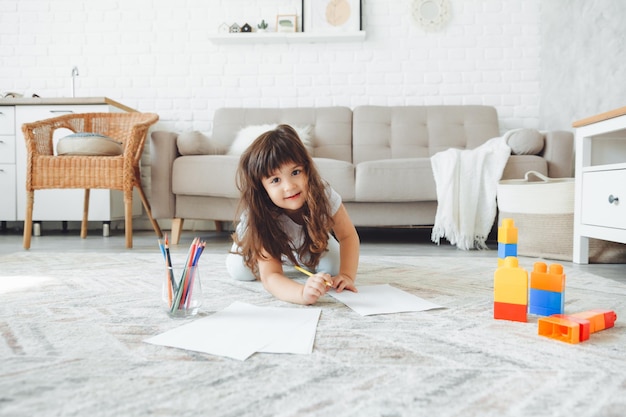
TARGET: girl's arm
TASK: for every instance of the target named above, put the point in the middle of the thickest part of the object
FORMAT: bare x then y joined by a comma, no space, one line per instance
349,245
286,289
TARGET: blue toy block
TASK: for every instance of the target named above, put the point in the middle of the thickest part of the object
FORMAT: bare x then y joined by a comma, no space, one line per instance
507,249
545,303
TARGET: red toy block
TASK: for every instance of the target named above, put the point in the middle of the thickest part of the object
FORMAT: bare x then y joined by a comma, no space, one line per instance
508,311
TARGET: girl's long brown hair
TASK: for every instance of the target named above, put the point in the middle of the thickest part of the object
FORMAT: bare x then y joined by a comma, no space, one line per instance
265,155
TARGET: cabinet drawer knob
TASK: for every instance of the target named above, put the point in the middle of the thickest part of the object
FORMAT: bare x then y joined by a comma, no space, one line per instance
613,199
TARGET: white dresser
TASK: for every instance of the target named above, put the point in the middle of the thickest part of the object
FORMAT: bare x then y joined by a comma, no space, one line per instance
50,205
600,207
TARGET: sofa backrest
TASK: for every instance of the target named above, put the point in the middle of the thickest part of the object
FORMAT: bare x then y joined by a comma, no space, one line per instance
331,127
387,132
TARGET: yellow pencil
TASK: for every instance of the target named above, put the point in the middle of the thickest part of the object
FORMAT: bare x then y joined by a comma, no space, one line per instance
309,273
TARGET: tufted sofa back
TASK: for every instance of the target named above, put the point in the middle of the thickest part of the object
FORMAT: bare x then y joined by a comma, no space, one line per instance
387,132
331,127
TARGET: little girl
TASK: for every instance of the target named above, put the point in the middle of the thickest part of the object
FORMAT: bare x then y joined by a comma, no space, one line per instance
289,215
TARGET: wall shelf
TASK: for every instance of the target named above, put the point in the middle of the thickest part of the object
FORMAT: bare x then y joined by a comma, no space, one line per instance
277,37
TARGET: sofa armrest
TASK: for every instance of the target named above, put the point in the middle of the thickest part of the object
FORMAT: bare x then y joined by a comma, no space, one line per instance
163,152
558,150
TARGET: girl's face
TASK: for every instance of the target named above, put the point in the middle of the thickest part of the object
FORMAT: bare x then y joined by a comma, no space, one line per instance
287,187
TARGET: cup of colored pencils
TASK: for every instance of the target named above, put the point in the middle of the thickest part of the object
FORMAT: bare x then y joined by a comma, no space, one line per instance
181,290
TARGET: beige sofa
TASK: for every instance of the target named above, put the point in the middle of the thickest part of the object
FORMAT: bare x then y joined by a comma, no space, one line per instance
376,157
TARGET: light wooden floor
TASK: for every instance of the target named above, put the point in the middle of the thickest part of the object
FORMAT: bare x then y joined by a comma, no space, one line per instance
390,242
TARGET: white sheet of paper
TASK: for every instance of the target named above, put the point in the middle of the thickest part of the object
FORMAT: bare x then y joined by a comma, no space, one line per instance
242,329
382,299
299,340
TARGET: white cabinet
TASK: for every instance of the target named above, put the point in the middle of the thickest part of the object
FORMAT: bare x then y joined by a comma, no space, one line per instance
7,163
50,205
600,208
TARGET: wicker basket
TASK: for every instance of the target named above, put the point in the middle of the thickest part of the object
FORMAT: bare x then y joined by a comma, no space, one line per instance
543,212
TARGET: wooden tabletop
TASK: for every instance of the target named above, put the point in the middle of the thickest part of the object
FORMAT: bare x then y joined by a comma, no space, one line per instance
600,117
28,101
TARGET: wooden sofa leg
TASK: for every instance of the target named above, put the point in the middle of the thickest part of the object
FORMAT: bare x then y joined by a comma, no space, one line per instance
219,226
177,228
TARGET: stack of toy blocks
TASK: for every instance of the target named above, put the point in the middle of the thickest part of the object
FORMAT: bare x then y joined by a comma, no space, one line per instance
510,283
575,328
507,240
547,290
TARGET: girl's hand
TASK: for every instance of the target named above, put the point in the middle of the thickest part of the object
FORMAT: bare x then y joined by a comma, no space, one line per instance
343,282
316,286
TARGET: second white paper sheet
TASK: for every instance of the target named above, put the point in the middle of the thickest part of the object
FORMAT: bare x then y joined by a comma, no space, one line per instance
382,299
242,329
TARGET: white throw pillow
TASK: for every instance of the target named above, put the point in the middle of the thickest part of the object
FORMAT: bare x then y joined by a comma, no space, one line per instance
248,134
85,143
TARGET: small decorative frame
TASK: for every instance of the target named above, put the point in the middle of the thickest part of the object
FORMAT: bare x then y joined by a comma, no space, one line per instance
287,23
331,15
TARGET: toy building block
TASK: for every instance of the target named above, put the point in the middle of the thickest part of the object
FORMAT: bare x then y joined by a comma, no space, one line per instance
547,290
507,233
584,325
598,319
507,249
545,303
509,311
510,291
559,328
548,279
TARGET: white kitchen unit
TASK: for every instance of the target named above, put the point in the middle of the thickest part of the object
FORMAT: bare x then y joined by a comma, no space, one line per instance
600,207
50,205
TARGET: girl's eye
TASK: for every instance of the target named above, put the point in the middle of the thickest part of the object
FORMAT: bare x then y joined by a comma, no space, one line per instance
296,172
274,181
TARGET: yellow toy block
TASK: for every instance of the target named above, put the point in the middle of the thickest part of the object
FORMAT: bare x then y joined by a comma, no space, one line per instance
507,233
510,283
547,279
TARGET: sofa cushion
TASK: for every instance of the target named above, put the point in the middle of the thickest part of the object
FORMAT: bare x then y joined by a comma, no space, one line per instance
339,174
393,180
197,143
205,175
524,141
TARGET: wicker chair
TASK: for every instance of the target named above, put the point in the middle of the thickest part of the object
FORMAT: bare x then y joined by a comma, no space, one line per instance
45,170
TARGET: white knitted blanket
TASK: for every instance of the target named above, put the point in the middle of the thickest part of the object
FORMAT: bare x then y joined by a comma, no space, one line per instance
466,192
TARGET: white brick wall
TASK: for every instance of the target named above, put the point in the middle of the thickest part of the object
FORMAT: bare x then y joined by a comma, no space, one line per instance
155,55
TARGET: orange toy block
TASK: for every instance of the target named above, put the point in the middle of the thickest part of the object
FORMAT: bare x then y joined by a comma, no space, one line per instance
559,328
547,279
598,319
562,327
507,233
510,283
584,326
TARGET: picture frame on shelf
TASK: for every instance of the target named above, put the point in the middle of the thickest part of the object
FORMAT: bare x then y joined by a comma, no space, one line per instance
287,23
328,16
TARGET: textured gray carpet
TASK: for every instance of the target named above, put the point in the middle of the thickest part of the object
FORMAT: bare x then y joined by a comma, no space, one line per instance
73,327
